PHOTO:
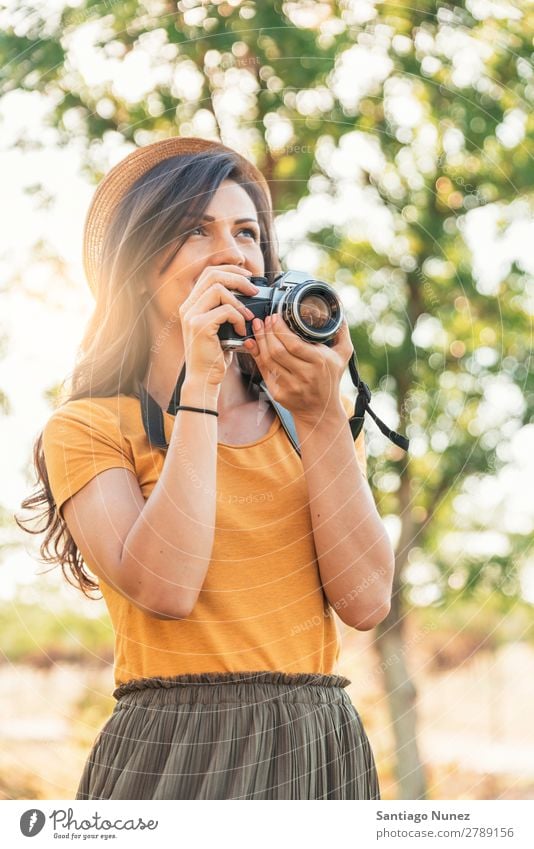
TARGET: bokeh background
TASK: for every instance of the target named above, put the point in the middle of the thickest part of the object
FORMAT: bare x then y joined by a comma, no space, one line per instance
397,140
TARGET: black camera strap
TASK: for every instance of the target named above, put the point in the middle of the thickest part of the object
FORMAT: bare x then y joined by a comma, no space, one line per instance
361,407
152,414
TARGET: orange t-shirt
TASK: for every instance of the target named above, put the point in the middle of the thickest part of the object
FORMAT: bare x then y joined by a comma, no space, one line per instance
262,605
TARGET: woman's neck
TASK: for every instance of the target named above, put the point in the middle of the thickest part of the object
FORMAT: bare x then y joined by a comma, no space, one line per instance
164,370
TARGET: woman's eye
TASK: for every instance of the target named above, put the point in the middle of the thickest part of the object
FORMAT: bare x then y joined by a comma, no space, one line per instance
251,232
200,230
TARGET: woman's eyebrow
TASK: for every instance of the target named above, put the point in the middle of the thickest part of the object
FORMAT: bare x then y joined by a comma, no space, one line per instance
204,218
237,220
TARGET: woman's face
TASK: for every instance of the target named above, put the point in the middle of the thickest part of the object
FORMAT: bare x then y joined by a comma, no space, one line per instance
229,235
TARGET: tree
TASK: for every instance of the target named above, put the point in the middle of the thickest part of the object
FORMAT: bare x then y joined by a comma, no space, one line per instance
415,123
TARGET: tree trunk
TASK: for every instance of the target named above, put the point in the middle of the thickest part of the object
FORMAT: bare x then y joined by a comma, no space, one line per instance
400,689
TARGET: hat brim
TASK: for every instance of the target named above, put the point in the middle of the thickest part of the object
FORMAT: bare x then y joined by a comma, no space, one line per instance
122,176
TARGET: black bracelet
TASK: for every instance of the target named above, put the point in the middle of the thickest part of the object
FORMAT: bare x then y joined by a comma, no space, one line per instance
197,410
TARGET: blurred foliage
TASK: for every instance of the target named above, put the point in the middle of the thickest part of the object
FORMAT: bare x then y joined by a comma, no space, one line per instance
5,407
418,120
39,635
485,621
430,107
4,403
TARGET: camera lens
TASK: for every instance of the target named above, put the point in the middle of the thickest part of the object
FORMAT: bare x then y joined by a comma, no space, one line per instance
313,310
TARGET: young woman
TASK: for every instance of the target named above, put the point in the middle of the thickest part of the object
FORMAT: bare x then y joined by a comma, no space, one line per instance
220,551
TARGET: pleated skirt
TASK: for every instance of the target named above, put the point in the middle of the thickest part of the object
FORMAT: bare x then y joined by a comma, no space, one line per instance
232,735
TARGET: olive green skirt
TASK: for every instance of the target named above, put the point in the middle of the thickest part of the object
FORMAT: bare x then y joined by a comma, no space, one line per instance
232,735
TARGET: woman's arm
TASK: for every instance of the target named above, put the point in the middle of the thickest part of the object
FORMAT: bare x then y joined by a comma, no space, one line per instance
173,536
356,560
155,553
355,556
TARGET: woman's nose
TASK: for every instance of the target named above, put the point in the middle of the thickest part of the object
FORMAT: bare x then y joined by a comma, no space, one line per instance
227,251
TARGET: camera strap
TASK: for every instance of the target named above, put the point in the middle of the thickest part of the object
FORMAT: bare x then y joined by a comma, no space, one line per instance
152,414
361,407
285,417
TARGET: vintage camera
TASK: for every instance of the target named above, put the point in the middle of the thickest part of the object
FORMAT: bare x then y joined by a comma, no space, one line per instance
311,308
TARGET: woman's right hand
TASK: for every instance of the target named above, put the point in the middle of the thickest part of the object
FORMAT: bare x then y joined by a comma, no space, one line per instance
209,304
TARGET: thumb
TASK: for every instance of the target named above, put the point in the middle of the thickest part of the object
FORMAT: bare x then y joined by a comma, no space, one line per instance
343,343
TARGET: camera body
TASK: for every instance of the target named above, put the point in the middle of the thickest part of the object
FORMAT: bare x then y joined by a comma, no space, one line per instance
311,308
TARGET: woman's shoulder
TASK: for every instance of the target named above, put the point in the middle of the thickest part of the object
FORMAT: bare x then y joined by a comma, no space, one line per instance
82,438
97,405
109,414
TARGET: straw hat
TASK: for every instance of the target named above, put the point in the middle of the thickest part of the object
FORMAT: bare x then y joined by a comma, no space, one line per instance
122,176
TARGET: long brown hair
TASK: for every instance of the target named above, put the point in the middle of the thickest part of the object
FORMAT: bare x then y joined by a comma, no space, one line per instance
159,210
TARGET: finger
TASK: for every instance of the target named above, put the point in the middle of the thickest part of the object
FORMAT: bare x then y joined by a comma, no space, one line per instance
228,277
264,360
217,279
251,347
296,346
229,268
258,329
216,295
343,343
285,346
214,318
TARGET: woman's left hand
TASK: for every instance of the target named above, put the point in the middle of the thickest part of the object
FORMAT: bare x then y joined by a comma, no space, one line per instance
303,376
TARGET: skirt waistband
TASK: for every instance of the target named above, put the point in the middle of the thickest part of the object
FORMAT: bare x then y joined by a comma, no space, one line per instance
217,687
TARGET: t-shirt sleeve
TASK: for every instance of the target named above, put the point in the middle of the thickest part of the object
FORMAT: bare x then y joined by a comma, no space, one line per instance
80,440
359,442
